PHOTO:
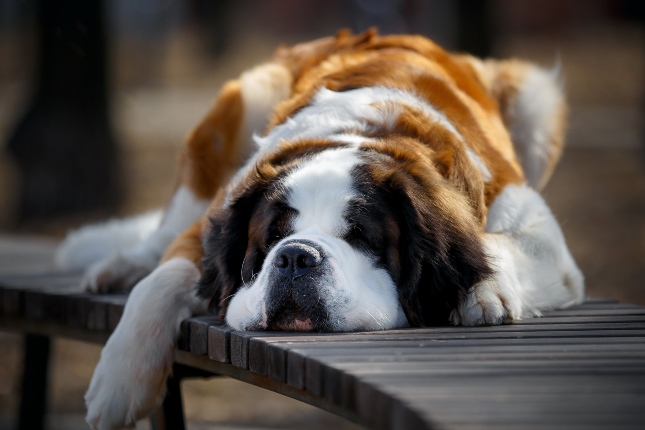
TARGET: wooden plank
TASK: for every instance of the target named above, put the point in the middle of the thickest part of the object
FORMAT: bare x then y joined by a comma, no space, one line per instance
219,343
317,377
55,304
375,407
199,333
408,345
595,312
97,311
459,355
501,352
296,370
258,356
601,305
104,311
457,333
593,300
555,408
442,402
115,310
633,367
554,319
340,382
77,309
183,342
239,348
265,360
277,364
248,352
512,385
203,362
33,305
611,413
314,379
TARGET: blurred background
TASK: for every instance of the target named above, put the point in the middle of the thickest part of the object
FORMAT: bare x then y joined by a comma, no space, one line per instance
96,98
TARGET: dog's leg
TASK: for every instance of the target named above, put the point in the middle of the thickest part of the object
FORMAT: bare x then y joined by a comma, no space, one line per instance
534,270
214,150
122,270
130,378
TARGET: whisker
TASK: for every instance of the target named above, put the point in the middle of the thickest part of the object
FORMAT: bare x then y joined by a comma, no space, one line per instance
226,298
242,272
375,320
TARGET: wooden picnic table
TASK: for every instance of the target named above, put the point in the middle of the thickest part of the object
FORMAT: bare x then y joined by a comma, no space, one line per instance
579,368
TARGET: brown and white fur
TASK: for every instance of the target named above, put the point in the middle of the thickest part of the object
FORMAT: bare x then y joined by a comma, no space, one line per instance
351,183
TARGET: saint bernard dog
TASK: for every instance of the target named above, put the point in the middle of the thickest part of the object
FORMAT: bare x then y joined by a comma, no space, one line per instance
353,183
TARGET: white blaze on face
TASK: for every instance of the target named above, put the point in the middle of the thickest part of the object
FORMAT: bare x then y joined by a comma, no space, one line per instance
321,189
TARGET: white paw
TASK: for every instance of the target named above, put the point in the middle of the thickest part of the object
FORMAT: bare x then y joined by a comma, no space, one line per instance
119,272
128,382
130,379
487,305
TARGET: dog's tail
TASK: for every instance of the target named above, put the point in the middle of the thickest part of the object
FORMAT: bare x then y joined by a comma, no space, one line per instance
95,242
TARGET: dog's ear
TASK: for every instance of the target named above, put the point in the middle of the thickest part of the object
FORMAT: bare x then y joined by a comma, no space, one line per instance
441,253
532,104
225,248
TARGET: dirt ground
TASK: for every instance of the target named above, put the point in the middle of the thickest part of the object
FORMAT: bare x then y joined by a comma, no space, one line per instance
597,193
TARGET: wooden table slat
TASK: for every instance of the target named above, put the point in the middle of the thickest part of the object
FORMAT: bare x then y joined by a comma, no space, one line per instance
219,343
198,327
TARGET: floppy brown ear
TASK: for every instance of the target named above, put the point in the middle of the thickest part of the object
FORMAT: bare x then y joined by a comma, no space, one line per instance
441,254
440,264
533,108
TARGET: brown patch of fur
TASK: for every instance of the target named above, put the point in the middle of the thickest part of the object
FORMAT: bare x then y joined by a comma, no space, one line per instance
212,152
410,156
187,245
449,83
478,132
447,154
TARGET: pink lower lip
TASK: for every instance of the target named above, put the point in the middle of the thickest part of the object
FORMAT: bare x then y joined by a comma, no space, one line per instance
303,325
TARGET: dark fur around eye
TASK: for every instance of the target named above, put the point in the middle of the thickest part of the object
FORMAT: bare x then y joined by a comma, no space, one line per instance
356,237
240,237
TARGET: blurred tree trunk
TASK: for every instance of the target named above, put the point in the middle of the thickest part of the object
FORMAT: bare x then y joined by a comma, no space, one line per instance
64,146
476,33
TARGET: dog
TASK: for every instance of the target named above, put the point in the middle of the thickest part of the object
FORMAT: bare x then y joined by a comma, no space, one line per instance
353,183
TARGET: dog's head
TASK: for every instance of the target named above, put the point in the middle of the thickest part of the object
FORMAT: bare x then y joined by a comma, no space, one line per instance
325,236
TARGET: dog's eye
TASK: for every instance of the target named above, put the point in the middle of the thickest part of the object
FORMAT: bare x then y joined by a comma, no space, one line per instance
356,236
272,240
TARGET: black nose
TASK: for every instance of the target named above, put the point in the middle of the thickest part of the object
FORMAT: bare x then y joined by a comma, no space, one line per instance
295,259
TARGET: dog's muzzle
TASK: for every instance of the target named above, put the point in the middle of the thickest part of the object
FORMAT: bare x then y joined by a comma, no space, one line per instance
298,269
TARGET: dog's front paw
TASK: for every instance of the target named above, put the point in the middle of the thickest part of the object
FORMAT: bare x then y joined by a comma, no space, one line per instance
128,382
487,304
130,379
120,272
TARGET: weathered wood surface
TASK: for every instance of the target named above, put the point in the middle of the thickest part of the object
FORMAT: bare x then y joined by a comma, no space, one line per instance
582,367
